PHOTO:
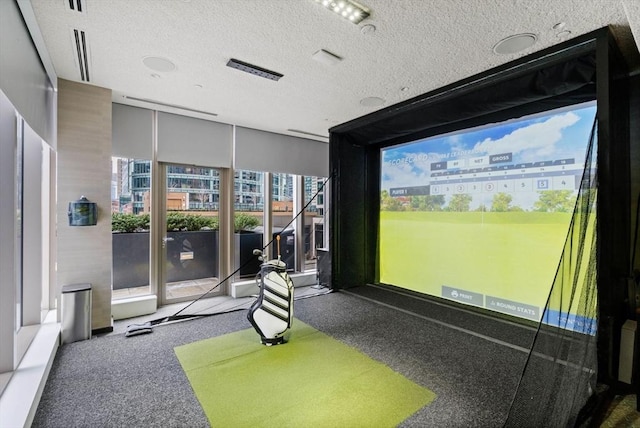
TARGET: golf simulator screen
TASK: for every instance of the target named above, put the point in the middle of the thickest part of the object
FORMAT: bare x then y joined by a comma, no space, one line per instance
480,216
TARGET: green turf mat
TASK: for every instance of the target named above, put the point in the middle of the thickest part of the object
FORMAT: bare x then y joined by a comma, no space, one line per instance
311,381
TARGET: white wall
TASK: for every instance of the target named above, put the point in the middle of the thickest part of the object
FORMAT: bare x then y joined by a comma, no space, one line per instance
7,233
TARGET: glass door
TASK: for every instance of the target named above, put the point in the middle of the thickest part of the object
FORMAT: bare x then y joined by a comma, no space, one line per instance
190,236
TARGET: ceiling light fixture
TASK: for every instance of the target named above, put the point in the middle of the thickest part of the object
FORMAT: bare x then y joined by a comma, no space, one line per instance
348,9
253,69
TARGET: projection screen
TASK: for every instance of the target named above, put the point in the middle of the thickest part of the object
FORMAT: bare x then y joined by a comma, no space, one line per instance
480,216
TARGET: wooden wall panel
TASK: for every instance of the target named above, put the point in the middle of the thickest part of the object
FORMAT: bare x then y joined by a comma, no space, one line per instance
84,168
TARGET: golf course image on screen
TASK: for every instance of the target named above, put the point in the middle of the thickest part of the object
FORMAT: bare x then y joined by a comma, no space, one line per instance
480,216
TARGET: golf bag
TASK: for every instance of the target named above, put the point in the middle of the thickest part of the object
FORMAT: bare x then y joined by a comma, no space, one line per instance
271,314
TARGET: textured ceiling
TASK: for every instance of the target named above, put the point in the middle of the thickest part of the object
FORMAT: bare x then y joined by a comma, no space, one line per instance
417,46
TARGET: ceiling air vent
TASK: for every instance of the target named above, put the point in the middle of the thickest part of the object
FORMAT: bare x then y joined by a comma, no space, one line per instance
145,100
253,69
76,5
307,133
81,51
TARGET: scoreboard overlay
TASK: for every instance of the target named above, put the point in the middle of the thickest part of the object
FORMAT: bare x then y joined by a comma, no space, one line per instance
495,173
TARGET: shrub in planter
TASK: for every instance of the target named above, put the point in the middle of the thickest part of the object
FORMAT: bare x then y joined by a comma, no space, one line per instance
245,222
189,222
128,223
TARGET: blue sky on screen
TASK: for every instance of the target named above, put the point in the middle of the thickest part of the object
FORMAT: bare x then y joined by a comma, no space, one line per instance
553,135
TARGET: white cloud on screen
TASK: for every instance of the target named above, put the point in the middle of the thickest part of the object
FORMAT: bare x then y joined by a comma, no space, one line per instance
533,141
530,143
403,175
456,143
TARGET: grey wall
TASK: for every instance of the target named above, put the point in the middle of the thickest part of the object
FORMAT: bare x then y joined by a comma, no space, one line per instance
25,90
22,77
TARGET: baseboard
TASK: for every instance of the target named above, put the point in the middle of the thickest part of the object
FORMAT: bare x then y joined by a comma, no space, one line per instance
20,398
103,330
134,307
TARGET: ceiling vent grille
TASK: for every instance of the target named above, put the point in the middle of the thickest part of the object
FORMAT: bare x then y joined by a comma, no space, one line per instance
76,5
82,54
253,69
145,100
307,133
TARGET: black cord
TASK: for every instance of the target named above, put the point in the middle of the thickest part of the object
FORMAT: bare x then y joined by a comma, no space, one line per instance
636,279
635,242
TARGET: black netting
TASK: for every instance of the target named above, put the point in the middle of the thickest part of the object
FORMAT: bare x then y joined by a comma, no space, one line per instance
561,369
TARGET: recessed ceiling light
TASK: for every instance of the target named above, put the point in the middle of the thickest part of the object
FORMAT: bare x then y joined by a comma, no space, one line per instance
157,63
563,34
515,43
371,101
348,9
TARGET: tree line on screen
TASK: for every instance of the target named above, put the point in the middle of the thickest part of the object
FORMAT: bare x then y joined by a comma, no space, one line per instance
548,201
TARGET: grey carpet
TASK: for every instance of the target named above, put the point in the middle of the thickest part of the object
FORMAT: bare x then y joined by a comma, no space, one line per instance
114,381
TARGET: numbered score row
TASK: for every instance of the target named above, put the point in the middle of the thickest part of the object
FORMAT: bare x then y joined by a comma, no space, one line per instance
507,186
535,184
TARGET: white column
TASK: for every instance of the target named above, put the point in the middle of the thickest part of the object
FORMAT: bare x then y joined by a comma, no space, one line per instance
267,194
298,224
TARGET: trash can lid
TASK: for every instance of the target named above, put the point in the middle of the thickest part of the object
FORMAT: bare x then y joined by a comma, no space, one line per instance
73,288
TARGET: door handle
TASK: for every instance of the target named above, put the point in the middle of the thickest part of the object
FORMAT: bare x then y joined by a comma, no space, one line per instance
165,240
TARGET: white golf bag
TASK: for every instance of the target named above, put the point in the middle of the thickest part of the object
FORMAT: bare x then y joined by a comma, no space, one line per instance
271,314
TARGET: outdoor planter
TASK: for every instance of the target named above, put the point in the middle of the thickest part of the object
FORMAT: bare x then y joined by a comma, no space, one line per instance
190,255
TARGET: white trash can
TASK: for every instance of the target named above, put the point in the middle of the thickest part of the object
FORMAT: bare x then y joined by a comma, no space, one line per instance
76,312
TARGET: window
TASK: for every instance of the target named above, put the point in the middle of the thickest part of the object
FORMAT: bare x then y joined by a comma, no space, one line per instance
314,219
131,210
